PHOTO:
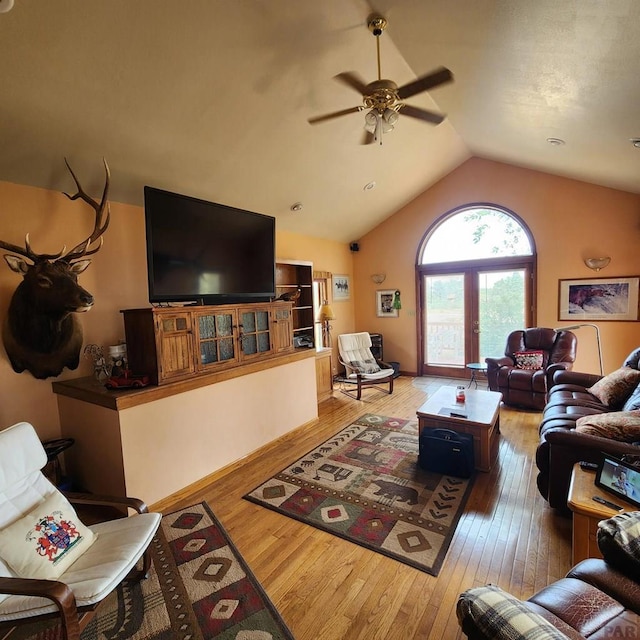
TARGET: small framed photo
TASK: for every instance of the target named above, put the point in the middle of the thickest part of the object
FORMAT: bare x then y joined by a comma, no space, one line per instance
599,299
341,288
384,304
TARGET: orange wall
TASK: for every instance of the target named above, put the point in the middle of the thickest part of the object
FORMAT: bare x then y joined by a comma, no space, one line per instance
570,220
117,278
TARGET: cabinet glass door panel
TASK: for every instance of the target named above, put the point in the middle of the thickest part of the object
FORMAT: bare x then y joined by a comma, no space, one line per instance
208,352
227,352
207,327
262,321
263,342
248,322
216,341
224,325
255,332
249,345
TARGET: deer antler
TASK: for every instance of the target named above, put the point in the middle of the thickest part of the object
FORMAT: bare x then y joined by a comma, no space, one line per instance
100,227
28,252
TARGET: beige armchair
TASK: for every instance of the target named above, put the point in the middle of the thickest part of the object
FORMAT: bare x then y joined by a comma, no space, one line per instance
50,562
361,367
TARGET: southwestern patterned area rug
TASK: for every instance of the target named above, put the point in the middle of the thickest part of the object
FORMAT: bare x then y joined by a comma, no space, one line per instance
199,588
364,485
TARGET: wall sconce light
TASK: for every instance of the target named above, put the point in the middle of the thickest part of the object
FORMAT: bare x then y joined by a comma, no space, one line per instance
326,315
379,278
597,263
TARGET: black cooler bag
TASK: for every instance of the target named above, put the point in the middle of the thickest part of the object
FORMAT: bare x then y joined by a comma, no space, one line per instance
447,452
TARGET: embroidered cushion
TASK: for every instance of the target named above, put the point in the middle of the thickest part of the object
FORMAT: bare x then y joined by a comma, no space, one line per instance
498,614
623,426
619,542
531,360
365,366
614,389
45,542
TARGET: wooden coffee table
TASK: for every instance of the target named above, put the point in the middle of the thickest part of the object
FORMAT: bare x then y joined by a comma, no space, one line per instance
482,409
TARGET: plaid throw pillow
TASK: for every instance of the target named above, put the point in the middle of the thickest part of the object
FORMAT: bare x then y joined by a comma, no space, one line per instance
365,366
619,542
497,614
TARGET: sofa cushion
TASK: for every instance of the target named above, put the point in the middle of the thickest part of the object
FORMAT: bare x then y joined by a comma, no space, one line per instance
498,614
46,541
614,389
619,542
529,360
623,426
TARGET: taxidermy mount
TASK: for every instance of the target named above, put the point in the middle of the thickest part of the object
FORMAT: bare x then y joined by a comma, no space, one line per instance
41,333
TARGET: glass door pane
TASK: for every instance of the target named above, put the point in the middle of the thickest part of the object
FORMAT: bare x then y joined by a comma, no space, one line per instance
501,309
445,320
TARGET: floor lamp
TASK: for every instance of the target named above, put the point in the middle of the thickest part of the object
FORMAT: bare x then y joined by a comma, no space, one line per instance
593,326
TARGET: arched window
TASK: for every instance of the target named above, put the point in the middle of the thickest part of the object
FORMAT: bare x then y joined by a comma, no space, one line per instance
476,232
476,268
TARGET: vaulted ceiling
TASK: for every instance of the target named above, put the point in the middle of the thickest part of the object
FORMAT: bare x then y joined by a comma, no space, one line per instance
211,98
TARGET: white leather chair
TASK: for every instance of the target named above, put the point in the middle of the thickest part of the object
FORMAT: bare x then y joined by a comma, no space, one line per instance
113,555
361,367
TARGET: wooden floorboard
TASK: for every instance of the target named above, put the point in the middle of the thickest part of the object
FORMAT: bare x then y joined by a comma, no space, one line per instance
329,589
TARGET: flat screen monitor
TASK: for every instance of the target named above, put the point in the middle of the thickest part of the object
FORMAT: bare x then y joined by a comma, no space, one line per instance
619,478
207,253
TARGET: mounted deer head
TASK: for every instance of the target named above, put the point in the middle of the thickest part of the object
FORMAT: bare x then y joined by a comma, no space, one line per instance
40,334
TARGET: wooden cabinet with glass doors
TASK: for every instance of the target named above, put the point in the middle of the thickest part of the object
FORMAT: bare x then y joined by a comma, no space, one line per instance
170,345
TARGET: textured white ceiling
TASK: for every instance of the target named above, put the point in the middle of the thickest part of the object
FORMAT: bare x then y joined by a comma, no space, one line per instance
211,98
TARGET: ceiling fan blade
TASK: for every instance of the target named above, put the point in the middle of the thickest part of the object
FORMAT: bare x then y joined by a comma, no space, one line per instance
335,114
422,114
433,79
353,80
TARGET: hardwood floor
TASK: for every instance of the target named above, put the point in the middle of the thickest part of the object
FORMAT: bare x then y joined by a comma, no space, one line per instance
329,589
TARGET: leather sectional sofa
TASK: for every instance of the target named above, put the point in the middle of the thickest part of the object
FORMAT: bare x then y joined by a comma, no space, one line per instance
593,601
597,599
561,446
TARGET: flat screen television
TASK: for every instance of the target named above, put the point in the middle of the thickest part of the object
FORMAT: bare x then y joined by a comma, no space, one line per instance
207,253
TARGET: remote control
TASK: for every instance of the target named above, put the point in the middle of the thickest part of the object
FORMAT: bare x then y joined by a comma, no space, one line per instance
457,414
588,465
606,503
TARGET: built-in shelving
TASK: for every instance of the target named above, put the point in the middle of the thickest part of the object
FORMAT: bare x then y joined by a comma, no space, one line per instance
290,276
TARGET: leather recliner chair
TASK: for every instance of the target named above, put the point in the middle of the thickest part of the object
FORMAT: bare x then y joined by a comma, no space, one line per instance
527,388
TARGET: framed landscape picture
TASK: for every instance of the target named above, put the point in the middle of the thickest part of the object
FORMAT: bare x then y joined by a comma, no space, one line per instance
341,288
599,299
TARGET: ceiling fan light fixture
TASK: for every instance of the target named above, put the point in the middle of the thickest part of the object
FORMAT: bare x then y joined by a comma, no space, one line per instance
371,118
390,116
386,127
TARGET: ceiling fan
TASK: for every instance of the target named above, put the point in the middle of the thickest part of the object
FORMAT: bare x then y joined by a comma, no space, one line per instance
382,99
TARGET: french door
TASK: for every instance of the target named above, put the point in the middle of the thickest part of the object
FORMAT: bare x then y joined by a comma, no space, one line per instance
468,309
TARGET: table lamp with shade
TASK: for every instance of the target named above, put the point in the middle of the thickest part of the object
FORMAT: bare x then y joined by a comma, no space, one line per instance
326,315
